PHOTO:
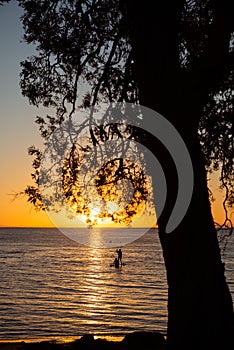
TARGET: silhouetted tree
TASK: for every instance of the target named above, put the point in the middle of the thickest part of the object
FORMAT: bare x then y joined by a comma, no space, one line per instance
175,57
184,69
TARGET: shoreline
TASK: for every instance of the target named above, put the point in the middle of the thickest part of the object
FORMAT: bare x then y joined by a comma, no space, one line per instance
63,339
136,340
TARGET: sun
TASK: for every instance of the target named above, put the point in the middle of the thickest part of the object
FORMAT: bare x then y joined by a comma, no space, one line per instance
97,217
94,215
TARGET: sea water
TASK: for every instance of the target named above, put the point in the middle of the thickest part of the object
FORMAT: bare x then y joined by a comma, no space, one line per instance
53,287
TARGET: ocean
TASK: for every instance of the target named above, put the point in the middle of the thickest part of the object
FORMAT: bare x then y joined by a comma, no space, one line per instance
55,288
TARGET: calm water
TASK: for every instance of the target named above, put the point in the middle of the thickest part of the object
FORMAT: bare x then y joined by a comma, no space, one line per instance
54,287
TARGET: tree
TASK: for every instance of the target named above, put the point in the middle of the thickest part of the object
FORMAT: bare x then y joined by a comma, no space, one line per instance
191,65
176,59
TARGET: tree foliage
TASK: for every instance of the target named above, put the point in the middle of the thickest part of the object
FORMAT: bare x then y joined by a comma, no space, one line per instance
78,43
84,56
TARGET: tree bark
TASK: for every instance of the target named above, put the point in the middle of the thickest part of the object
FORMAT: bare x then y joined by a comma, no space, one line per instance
200,313
199,302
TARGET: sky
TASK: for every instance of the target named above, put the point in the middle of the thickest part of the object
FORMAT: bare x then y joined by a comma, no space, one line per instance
18,130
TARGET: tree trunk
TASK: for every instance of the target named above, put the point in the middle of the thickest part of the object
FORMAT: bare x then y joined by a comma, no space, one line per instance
200,313
199,302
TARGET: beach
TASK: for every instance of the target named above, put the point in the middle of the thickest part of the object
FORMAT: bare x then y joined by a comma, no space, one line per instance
136,340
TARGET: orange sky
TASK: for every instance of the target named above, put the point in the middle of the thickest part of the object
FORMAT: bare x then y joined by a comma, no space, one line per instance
18,130
20,213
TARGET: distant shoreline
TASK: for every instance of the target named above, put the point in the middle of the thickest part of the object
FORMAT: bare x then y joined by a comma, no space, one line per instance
86,227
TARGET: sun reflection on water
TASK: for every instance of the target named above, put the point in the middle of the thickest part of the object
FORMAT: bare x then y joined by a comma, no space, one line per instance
96,238
96,293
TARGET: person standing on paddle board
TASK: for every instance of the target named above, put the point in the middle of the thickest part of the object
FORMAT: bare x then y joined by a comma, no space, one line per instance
119,252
